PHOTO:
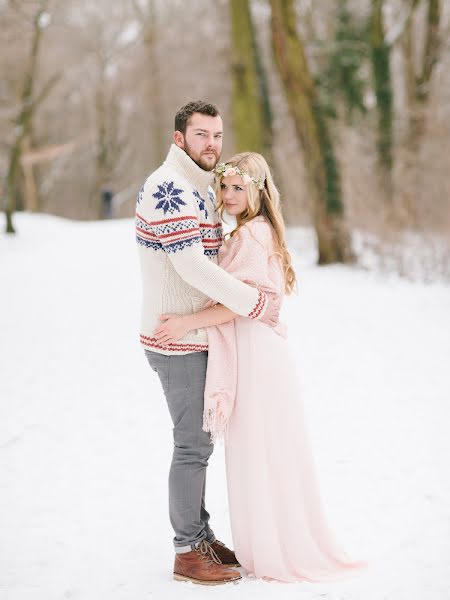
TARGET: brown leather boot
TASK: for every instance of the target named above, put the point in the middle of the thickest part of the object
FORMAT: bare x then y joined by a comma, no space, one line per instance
202,566
227,556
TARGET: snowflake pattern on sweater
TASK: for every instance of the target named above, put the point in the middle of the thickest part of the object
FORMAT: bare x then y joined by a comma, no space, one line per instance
169,197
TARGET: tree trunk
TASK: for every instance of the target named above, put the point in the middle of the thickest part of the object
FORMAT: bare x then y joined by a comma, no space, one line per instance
418,86
23,121
320,162
11,184
252,118
30,188
431,50
417,94
101,151
157,134
380,57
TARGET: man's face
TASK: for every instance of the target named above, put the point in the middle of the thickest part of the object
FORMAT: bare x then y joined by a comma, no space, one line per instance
202,140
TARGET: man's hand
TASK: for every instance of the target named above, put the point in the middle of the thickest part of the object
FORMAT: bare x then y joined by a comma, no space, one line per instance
272,313
172,328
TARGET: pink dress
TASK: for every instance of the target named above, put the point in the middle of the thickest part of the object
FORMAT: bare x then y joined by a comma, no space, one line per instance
278,527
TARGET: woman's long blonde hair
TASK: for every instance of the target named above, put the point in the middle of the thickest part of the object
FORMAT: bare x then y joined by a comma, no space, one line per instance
265,202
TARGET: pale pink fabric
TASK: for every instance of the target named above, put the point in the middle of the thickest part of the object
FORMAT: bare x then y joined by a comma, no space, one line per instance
246,257
278,526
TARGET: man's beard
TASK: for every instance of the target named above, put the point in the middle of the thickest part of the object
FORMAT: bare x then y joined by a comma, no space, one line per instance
199,160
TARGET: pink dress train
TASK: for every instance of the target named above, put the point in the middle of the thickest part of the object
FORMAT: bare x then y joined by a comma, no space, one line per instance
277,521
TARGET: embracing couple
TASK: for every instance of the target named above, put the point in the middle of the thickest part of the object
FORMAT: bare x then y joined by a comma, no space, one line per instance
210,331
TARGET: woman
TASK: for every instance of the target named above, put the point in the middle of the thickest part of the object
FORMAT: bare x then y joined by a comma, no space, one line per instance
252,397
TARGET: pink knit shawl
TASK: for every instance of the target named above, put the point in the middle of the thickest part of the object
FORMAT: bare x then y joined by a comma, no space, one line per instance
248,257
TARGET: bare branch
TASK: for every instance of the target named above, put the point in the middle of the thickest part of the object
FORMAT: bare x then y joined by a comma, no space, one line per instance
45,91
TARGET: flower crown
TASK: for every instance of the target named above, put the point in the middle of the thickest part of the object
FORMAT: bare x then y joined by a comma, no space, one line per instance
225,169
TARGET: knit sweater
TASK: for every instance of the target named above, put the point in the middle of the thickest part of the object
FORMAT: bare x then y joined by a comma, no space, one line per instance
178,232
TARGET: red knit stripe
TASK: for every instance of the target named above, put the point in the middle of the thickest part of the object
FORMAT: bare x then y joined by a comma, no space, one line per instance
208,225
180,234
262,298
173,220
262,306
153,343
142,219
178,240
147,233
207,243
218,242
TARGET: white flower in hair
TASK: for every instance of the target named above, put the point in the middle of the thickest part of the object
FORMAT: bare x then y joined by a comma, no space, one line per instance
225,169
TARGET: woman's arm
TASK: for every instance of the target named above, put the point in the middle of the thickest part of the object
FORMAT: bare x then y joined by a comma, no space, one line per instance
174,327
214,315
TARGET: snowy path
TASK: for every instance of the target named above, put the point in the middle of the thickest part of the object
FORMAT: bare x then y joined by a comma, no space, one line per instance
85,437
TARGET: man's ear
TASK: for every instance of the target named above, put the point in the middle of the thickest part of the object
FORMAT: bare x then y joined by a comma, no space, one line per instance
178,138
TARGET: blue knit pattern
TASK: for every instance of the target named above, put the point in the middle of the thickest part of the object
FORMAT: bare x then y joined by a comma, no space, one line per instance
211,239
179,226
181,244
212,198
169,197
201,203
210,252
177,233
145,236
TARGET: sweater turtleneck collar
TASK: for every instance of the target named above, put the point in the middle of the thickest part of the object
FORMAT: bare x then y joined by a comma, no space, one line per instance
178,159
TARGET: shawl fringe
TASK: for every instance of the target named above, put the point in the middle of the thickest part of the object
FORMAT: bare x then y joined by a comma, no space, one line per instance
217,417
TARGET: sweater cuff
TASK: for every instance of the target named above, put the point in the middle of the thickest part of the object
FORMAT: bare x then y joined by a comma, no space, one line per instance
260,307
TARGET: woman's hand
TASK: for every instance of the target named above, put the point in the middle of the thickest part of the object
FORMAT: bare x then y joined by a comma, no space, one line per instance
272,313
172,328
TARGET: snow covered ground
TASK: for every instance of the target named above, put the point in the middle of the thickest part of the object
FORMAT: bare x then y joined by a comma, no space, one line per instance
85,436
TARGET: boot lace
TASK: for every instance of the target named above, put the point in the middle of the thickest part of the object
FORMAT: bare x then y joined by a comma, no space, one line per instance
207,553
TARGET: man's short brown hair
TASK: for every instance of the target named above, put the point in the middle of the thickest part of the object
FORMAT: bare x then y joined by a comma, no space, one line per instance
196,106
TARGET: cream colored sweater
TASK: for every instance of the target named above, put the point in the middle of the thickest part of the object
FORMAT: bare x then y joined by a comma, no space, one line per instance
179,234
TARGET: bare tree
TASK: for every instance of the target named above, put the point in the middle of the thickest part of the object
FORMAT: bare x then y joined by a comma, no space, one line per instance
380,58
312,130
418,74
148,18
252,118
109,119
29,101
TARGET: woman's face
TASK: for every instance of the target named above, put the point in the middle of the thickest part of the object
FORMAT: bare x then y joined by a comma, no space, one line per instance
234,194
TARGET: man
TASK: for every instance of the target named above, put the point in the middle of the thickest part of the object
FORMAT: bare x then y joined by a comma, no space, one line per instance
179,234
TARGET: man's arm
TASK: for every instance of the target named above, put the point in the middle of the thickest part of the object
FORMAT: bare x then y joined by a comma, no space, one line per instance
175,226
197,270
175,327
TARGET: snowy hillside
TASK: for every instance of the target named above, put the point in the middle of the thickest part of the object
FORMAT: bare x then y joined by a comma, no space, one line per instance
85,436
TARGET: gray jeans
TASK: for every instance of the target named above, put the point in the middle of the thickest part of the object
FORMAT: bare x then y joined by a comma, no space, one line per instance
183,381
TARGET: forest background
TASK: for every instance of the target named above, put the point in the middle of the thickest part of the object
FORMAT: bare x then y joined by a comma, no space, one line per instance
349,101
